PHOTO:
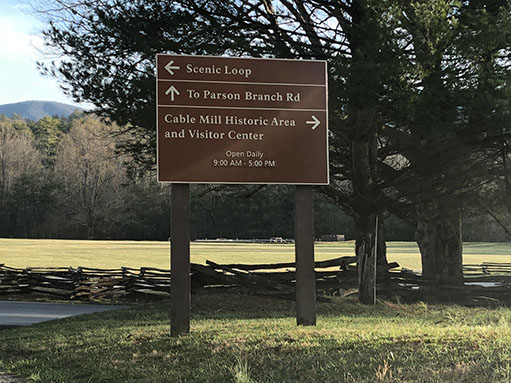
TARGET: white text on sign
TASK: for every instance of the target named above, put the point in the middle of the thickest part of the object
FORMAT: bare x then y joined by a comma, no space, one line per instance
219,70
227,120
207,94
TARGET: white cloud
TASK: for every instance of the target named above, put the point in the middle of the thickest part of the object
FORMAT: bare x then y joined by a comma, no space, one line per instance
20,49
14,41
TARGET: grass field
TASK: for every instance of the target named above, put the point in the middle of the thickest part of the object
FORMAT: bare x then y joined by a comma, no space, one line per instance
247,339
115,254
238,339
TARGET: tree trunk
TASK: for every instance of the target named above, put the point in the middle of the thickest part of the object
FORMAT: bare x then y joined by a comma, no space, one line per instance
363,88
381,251
91,222
366,259
364,157
440,242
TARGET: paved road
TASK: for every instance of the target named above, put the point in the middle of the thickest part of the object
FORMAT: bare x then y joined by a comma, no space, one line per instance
7,378
13,313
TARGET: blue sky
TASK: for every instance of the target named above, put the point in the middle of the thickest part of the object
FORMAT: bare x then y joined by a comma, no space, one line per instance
19,43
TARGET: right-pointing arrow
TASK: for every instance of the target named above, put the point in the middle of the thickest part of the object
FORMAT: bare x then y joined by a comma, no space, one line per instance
173,92
315,122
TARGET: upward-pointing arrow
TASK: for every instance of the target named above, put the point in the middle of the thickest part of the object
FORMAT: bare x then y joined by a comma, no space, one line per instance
170,66
173,92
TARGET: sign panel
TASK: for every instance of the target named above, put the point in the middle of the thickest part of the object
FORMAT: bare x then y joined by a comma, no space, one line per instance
239,120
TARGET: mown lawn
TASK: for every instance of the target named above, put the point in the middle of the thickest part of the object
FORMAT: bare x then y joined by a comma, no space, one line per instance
240,338
115,254
245,339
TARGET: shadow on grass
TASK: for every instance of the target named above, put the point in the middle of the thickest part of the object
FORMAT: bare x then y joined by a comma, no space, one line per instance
220,306
354,343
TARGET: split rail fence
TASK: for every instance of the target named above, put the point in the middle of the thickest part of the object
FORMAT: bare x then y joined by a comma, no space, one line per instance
484,283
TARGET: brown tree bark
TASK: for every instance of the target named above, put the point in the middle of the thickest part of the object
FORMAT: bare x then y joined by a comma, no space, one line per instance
364,205
363,87
381,251
366,259
439,238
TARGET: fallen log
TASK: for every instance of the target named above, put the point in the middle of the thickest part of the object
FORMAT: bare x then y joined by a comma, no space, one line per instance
51,291
342,261
245,282
201,273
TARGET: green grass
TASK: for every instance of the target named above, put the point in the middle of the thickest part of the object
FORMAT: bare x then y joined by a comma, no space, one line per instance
246,339
115,254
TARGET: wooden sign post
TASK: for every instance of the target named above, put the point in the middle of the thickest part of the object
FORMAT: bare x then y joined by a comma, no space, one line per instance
304,256
241,121
180,260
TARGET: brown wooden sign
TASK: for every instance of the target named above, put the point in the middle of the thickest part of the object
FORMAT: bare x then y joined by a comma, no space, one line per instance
239,120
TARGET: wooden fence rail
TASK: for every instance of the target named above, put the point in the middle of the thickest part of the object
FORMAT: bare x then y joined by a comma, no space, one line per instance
487,282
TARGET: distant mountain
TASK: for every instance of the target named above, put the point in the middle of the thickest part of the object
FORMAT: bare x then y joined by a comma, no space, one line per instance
35,110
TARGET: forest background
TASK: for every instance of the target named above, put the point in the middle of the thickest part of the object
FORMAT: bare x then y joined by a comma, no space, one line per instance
64,178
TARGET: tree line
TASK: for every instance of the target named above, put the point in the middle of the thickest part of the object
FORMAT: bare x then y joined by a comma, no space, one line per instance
64,178
61,178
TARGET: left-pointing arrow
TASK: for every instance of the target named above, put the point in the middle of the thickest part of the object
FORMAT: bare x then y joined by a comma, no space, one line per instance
170,67
173,92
